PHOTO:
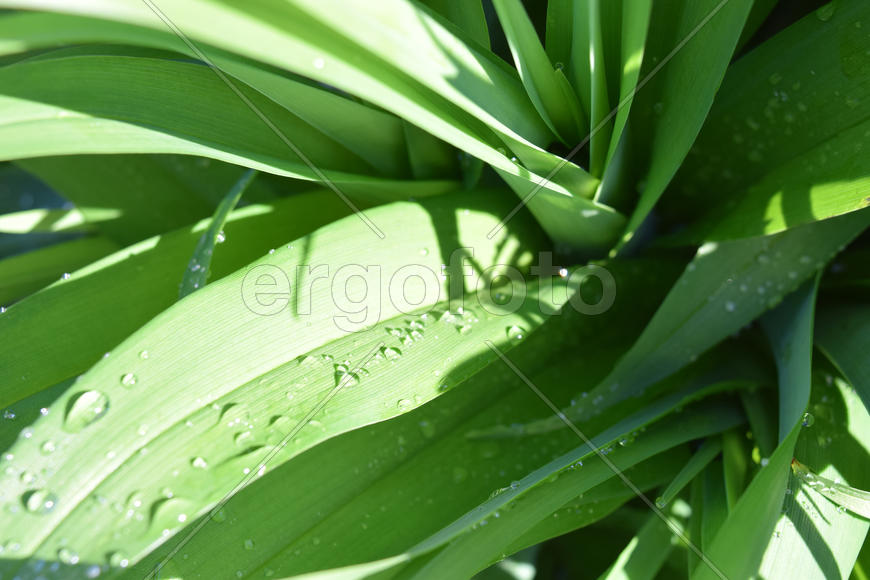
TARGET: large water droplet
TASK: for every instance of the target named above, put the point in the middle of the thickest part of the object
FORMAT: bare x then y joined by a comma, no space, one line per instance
83,409
39,501
807,420
404,404
128,380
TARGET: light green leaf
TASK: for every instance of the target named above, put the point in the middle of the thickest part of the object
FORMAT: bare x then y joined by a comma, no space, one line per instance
843,334
699,460
51,220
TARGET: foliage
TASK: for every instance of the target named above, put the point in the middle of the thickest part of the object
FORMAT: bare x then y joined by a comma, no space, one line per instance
434,289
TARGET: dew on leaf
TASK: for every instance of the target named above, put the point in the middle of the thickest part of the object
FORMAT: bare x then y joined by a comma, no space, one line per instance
83,409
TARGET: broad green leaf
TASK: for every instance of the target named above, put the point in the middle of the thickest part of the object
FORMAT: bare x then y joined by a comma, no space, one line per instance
553,103
815,535
25,273
557,36
328,508
693,36
699,460
520,566
196,274
752,520
134,284
296,357
789,329
794,112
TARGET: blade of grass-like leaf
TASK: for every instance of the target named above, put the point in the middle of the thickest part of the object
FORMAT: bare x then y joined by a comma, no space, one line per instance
635,24
677,99
843,334
699,460
725,287
696,499
143,275
557,36
763,423
463,554
429,157
581,73
520,566
51,220
850,498
25,273
753,519
196,274
467,15
792,108
536,71
645,554
761,9
599,102
243,385
789,329
814,535
715,503
735,465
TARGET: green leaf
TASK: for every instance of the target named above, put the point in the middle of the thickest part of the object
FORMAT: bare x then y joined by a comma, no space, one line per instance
50,220
794,112
134,284
789,329
752,520
815,535
295,359
196,274
600,121
646,553
843,334
699,460
26,273
693,36
553,103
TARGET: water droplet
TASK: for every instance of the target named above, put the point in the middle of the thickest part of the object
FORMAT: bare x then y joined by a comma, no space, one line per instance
128,380
319,63
83,409
219,516
47,447
199,463
424,251
460,474
43,411
404,404
660,502
249,544
730,306
808,420
775,78
67,556
39,501
93,571
9,415
143,354
516,333
118,560
66,276
221,237
391,353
